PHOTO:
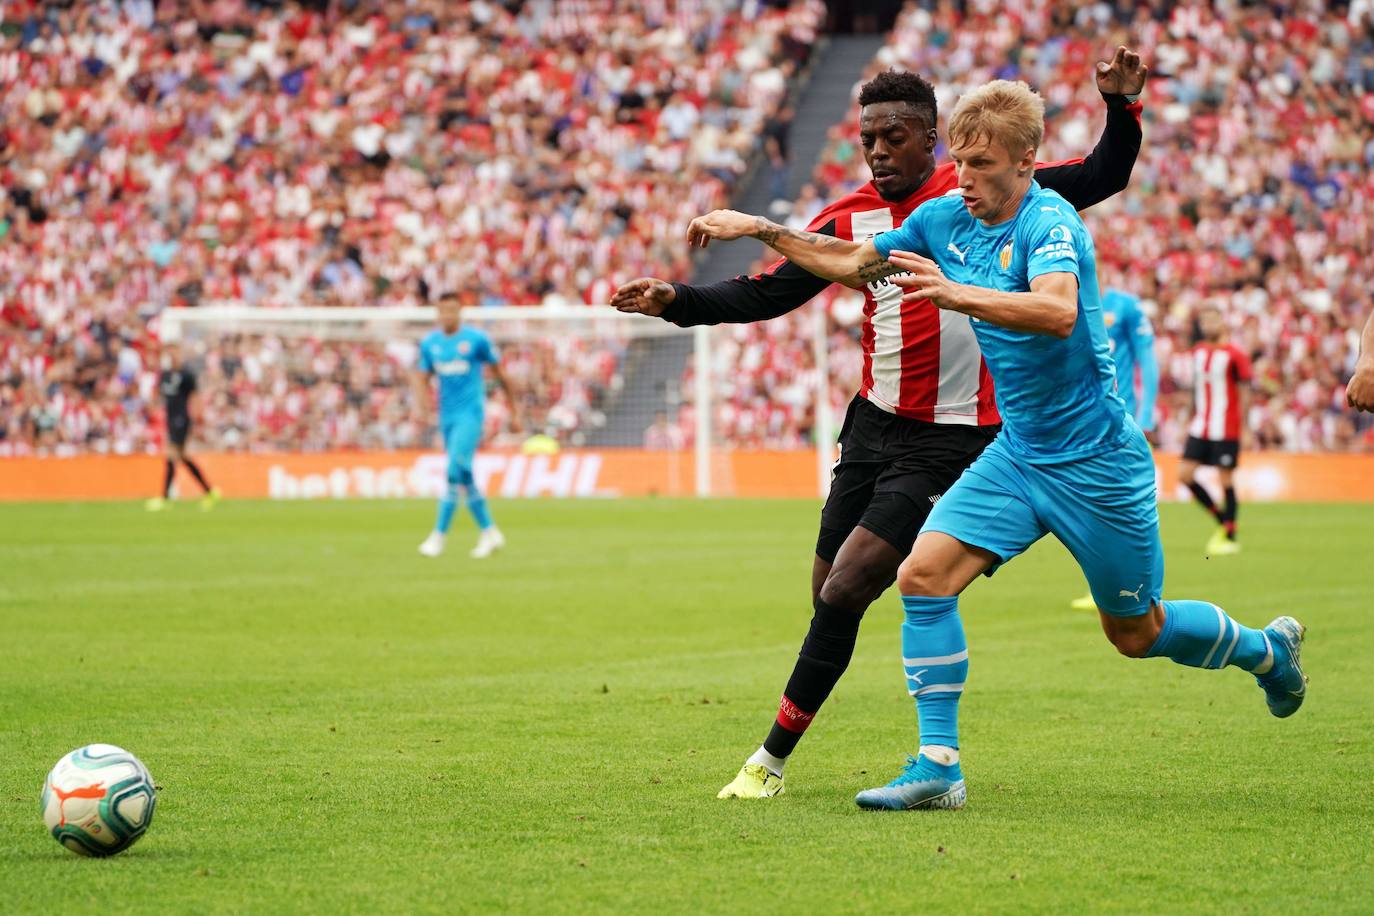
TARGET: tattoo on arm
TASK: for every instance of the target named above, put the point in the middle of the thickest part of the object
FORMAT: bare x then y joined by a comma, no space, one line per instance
768,232
876,270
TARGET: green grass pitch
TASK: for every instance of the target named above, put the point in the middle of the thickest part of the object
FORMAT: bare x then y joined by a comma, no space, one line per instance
340,725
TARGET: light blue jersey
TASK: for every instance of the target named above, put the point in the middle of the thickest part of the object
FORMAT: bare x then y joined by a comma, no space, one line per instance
1057,397
457,359
1132,340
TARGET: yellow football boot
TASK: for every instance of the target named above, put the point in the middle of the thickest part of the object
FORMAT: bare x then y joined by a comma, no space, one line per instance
754,781
1086,603
1222,546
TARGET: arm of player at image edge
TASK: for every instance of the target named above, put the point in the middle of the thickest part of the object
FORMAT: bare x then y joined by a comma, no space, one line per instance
1359,394
855,264
1107,169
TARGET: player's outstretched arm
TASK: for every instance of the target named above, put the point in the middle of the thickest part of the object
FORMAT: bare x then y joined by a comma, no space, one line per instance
1360,392
780,289
1107,169
854,264
1051,306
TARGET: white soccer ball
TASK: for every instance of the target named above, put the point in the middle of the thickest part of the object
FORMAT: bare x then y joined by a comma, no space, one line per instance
98,800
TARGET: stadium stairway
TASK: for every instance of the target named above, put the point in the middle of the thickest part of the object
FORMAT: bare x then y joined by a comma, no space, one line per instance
655,366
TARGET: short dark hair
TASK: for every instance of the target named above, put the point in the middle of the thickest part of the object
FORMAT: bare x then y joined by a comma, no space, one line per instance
901,86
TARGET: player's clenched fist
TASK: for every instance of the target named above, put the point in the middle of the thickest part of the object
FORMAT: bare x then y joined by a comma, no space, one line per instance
724,225
645,296
1360,392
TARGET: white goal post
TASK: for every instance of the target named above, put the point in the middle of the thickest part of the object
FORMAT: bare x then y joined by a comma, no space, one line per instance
595,377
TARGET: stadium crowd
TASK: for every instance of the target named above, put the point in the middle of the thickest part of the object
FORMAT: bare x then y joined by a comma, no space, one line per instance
174,154
177,154
1254,188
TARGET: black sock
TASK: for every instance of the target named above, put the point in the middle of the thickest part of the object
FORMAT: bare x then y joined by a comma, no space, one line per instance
824,655
167,478
1229,513
195,472
1205,498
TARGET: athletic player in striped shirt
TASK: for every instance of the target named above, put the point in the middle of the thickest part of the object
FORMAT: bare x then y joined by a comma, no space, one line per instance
925,407
1070,461
1220,370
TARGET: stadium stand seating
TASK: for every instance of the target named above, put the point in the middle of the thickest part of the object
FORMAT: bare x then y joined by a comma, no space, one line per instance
154,160
149,160
1253,189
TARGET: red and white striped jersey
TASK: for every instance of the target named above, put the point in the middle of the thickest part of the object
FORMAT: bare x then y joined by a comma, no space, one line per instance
918,361
1218,370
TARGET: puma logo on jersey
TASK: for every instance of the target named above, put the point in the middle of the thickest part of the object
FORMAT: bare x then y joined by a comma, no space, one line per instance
1054,209
961,254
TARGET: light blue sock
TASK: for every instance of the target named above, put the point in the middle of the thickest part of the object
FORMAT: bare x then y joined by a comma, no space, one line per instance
1200,635
448,504
935,656
477,505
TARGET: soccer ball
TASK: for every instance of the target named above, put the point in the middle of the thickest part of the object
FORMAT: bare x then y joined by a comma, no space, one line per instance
98,800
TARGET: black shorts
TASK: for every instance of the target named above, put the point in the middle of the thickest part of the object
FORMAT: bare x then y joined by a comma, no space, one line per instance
890,472
1221,453
178,429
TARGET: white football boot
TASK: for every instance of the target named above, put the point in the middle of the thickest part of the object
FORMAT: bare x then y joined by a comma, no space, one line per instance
433,545
488,543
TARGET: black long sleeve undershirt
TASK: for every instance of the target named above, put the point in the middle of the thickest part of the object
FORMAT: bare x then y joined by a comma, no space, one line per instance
1103,172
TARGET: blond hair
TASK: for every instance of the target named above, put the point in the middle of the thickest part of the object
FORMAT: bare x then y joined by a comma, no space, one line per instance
1001,111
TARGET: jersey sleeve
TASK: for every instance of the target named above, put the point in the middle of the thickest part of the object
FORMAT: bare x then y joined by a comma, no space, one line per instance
776,291
1241,361
487,352
1052,244
909,236
423,361
1107,169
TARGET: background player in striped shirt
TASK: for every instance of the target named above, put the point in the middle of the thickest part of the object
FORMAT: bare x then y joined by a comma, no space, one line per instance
1220,372
925,406
1131,337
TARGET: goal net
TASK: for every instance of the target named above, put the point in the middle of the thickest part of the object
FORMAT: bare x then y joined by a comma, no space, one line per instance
611,404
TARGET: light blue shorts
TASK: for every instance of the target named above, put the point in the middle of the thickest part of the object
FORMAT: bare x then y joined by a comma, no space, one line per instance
1103,509
461,434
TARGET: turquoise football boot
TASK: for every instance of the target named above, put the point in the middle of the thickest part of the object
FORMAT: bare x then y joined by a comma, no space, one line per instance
921,784
1285,686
